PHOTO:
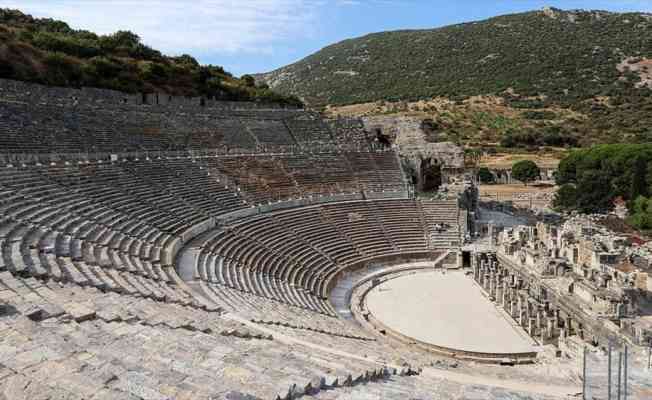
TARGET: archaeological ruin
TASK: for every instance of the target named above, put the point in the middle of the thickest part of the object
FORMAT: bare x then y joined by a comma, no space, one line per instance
155,247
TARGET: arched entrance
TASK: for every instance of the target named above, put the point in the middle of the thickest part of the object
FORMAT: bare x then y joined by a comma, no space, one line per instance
431,175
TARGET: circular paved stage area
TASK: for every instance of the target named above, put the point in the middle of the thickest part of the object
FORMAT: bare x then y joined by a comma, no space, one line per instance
446,310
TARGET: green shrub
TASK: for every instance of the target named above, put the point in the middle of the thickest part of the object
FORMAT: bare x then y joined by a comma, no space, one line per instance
485,176
62,70
525,171
72,46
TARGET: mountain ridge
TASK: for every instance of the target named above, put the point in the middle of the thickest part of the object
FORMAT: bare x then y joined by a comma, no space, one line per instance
592,62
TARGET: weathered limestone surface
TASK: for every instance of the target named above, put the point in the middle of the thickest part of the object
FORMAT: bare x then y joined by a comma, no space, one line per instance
420,151
407,133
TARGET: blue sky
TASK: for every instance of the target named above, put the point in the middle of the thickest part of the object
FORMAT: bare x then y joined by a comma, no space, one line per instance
247,36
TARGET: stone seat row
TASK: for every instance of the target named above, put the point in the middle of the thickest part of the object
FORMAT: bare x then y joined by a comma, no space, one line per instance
43,299
73,129
269,311
259,271
49,254
194,187
64,238
293,256
102,359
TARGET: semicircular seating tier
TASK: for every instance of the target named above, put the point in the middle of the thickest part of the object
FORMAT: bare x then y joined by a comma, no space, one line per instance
294,256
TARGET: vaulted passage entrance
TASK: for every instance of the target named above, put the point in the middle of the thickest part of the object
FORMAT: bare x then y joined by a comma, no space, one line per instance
431,177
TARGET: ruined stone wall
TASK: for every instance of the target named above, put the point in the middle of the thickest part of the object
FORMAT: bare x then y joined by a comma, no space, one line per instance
415,146
408,135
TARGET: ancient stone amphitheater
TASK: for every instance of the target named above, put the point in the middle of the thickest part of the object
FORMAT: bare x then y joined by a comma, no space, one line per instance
184,250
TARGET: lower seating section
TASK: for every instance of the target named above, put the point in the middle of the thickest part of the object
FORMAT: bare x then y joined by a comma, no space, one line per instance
442,221
92,236
263,310
404,220
116,226
358,222
292,256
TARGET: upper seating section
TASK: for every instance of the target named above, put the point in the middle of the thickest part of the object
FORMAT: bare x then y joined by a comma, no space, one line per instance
349,130
40,119
268,178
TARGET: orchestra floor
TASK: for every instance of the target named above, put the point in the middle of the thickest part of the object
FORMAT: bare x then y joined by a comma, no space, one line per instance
446,309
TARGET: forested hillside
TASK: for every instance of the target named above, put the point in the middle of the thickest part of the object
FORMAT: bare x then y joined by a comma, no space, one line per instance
595,66
50,52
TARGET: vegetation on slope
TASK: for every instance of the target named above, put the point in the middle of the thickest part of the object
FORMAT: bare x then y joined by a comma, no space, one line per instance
50,52
591,179
481,121
592,63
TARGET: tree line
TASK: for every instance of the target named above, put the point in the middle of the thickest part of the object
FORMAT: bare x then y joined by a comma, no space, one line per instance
591,179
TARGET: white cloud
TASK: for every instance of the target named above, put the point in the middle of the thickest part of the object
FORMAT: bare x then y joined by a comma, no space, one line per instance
199,26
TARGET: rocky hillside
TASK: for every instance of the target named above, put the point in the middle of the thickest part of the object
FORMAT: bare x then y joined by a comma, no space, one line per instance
50,52
593,66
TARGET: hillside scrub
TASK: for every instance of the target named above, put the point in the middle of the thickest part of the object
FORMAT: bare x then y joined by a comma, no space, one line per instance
49,52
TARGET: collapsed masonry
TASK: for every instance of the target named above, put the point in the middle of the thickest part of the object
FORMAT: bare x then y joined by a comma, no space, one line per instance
575,279
428,161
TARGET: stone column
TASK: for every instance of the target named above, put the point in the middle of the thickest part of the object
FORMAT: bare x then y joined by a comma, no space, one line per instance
531,327
498,291
504,295
550,328
568,326
492,285
520,309
539,317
